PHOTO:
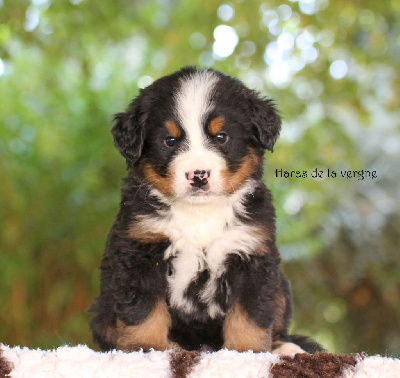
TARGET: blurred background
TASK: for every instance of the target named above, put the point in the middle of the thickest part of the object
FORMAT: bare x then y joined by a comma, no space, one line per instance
332,68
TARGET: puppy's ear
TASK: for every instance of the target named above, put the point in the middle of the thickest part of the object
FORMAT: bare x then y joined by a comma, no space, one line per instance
128,132
265,121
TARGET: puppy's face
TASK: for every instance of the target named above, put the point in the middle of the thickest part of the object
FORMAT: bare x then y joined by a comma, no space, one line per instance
197,134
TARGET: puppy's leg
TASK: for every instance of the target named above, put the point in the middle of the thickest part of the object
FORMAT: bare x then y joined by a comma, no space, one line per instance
151,333
283,343
102,324
242,334
253,284
283,313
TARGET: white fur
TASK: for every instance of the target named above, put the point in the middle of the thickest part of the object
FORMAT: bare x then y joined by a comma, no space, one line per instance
288,349
202,235
193,103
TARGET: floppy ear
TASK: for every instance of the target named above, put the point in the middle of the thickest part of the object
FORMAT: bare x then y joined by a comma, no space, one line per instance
265,121
128,131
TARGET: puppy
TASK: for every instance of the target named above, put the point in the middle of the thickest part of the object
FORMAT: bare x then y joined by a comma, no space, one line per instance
191,260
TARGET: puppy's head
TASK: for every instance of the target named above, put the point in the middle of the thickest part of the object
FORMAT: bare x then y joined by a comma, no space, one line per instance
196,134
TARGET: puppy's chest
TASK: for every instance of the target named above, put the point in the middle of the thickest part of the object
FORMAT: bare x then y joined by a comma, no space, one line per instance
199,234
199,246
201,238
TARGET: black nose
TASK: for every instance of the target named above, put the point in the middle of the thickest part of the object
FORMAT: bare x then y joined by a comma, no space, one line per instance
198,178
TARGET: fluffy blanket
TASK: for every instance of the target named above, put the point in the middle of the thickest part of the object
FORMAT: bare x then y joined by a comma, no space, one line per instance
80,361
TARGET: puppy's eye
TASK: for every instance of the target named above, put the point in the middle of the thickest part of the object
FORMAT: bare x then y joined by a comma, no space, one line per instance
170,141
222,138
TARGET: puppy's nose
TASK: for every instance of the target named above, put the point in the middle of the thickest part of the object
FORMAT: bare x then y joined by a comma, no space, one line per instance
198,178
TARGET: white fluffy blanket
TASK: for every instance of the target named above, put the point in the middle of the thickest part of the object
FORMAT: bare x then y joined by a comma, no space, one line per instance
80,361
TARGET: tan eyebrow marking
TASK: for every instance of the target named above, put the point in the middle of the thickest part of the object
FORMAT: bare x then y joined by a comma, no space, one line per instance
216,125
173,129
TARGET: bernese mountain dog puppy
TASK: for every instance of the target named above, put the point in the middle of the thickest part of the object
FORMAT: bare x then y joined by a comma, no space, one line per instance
191,260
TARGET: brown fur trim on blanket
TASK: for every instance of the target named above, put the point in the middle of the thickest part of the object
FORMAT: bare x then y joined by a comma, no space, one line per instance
5,366
181,362
304,365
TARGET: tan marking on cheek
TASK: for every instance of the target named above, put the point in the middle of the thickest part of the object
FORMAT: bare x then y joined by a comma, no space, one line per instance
216,125
241,334
232,181
173,129
152,333
162,184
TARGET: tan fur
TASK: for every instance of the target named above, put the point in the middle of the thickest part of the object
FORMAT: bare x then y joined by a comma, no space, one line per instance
162,184
152,333
280,308
216,125
173,129
262,234
233,181
241,334
141,234
111,335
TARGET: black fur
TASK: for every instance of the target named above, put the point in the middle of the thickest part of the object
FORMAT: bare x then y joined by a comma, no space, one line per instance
134,275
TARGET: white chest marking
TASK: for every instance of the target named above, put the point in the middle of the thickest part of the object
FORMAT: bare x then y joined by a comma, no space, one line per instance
202,235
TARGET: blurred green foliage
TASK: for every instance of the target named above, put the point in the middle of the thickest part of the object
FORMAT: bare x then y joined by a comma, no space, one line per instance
331,66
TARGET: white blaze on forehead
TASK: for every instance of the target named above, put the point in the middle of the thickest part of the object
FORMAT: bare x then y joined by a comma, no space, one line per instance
193,102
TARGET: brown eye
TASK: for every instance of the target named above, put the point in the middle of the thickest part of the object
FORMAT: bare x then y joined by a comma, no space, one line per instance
222,138
170,141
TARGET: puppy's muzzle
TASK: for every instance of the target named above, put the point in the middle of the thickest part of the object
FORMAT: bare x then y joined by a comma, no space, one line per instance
198,179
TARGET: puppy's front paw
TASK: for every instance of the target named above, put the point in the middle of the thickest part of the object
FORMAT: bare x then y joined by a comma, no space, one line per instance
287,349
